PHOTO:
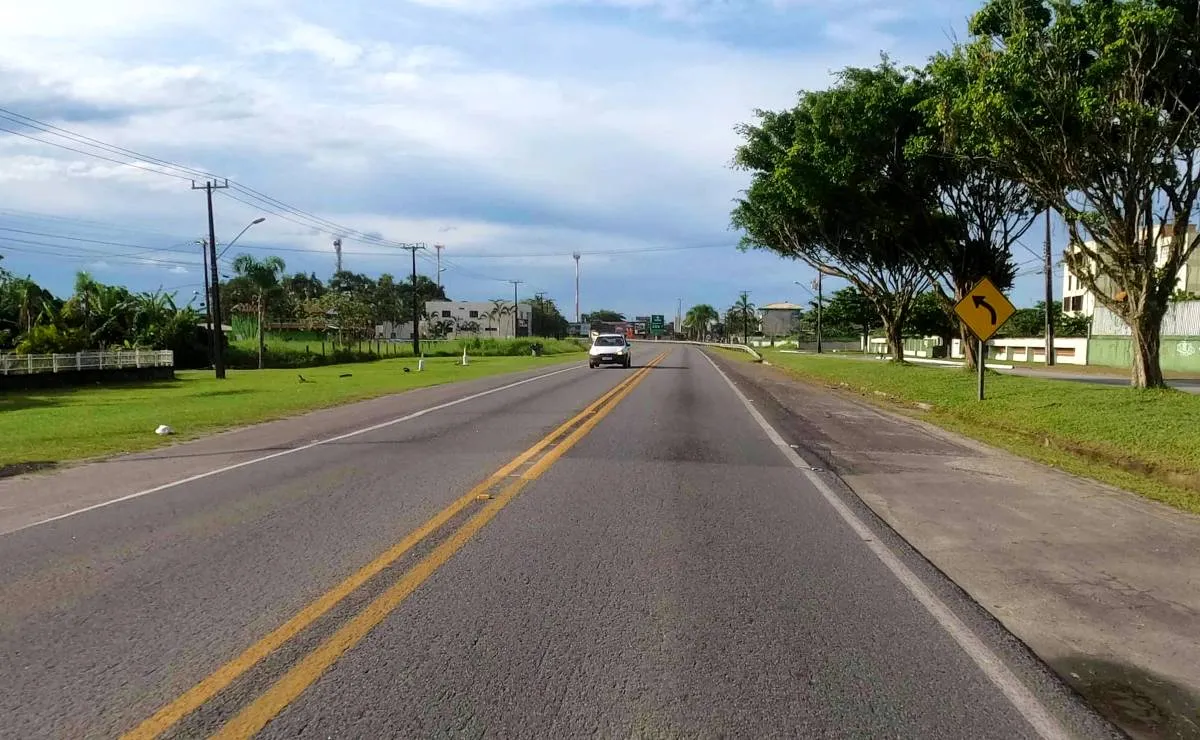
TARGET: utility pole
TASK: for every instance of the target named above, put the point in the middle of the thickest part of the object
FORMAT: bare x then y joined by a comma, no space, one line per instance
820,300
416,298
439,248
516,326
1049,267
218,336
337,250
578,319
678,316
745,319
207,296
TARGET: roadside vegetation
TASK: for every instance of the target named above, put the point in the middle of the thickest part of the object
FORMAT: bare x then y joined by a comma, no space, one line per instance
68,424
907,182
1144,441
275,319
312,349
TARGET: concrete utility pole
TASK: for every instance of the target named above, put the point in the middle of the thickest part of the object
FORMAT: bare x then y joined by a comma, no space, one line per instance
337,250
207,296
578,319
439,248
516,326
678,316
745,319
820,296
416,299
217,335
1049,267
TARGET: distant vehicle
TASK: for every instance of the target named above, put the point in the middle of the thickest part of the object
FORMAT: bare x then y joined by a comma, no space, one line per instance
610,349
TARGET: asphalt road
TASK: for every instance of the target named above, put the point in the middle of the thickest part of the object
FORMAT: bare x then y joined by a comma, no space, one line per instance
660,568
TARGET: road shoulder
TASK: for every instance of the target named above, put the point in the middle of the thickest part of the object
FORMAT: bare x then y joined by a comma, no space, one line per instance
1100,583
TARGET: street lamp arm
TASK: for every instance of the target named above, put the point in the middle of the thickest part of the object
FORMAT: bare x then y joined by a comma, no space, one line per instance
258,220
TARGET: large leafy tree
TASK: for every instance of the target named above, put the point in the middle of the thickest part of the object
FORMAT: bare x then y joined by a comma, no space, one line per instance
547,320
833,184
1092,105
264,274
930,317
987,209
603,314
848,312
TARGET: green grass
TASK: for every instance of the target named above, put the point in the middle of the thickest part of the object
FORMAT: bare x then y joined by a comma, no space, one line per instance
298,350
69,424
1144,441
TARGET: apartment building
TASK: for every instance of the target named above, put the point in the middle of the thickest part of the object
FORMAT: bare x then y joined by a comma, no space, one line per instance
1079,301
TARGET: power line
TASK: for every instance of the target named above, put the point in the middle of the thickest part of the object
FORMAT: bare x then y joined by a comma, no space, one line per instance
78,138
97,156
61,250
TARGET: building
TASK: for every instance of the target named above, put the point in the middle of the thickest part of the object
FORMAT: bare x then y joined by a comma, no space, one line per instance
779,319
454,319
1079,301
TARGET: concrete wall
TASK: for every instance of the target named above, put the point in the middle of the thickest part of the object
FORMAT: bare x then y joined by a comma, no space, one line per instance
1067,351
1179,354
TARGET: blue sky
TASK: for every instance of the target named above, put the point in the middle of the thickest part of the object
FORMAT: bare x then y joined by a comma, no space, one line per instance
512,131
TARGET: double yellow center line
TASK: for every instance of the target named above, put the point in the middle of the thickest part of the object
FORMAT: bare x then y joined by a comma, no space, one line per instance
500,488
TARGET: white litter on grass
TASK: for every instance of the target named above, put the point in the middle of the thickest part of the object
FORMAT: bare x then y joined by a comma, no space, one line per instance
164,429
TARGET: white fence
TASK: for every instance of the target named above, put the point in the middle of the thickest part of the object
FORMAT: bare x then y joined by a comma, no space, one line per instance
1182,320
134,358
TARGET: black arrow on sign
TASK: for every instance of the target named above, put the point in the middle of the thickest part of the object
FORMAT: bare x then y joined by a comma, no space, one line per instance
981,302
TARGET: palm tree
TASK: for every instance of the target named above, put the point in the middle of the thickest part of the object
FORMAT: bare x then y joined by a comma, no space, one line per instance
264,274
698,318
745,309
498,311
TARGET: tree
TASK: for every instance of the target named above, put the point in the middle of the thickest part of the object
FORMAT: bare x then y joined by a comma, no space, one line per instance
848,312
264,274
930,317
698,319
832,184
391,301
499,310
988,210
745,312
1031,322
1092,105
603,315
547,320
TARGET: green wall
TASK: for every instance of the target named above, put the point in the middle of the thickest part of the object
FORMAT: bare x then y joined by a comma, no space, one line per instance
1181,354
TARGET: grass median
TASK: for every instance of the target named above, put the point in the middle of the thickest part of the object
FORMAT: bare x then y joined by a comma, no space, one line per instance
58,425
1144,441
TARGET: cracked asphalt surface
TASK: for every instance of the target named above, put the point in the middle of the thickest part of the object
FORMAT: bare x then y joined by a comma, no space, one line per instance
671,575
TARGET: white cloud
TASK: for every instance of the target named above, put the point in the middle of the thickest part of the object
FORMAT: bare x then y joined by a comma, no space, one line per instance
619,134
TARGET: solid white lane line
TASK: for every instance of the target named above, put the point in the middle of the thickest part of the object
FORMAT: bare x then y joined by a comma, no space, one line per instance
291,451
992,666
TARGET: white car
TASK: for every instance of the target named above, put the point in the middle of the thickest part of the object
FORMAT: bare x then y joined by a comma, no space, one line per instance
610,349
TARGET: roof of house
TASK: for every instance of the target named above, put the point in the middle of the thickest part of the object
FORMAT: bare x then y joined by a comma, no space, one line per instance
782,306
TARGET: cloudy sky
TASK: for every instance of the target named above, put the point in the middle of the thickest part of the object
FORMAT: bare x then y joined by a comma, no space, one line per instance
514,132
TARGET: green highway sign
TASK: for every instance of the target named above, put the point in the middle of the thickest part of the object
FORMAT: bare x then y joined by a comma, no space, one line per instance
657,324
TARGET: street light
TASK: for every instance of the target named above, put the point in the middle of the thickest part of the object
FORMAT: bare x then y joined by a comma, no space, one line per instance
258,220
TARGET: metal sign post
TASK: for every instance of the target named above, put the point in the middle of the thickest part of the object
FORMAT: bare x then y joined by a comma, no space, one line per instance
984,310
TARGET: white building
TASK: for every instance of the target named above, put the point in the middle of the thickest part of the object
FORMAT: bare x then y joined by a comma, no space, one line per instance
1079,301
464,319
